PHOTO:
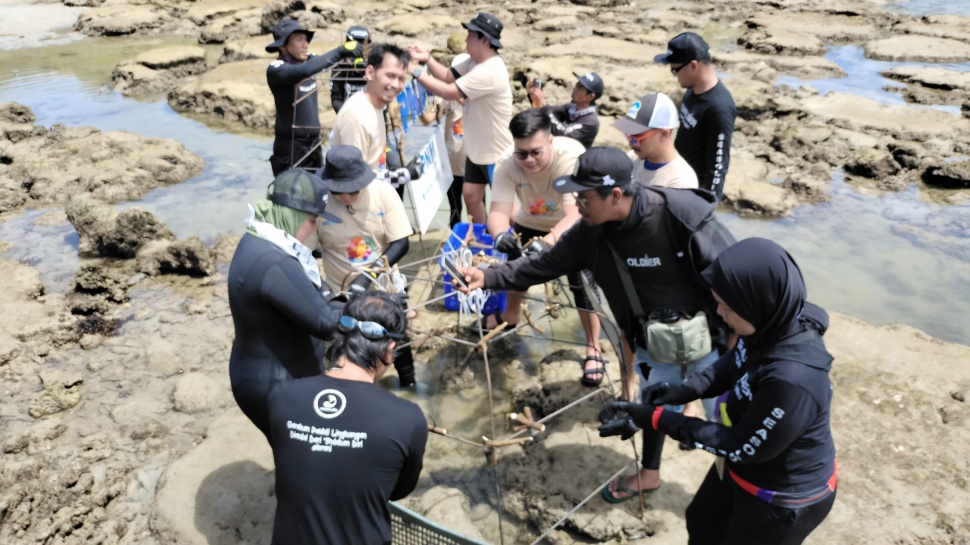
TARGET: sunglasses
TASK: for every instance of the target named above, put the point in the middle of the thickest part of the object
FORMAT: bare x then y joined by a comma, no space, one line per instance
345,192
674,70
635,139
372,331
523,155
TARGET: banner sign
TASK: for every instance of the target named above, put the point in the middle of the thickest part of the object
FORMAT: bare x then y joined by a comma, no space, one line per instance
427,192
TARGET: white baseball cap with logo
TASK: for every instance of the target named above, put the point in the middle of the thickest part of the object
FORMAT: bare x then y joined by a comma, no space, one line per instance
653,111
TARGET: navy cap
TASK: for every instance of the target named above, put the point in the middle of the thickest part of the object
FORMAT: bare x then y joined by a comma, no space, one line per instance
345,171
592,82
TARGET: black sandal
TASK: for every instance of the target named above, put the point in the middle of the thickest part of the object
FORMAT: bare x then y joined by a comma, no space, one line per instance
601,371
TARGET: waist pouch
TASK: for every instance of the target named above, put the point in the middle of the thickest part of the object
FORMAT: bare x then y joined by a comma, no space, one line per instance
685,341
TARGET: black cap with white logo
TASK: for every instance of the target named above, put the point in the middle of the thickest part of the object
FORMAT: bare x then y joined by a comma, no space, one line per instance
592,82
684,48
598,167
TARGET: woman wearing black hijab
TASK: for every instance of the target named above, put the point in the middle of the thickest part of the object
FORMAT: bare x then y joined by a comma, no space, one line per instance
775,477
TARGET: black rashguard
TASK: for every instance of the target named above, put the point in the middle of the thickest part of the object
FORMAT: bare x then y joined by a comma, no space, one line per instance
773,427
583,128
342,450
344,81
290,82
704,137
280,319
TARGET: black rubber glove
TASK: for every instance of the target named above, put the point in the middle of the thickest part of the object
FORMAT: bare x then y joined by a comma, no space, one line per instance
352,50
505,242
536,246
665,393
623,426
640,414
415,168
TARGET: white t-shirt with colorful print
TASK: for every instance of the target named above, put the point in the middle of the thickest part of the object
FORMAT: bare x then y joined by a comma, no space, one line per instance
378,219
541,204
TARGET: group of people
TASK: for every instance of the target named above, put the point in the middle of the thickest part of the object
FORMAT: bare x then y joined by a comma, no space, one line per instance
704,317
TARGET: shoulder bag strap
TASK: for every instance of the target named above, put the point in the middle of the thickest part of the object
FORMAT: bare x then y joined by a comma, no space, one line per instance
627,282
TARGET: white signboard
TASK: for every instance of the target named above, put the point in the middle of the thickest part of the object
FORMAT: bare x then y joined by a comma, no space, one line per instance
425,195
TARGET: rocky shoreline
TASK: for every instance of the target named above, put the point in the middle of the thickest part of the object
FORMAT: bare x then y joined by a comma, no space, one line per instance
119,426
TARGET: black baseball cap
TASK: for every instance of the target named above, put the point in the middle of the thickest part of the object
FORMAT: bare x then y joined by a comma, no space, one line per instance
684,48
301,190
600,166
345,171
592,82
487,24
282,32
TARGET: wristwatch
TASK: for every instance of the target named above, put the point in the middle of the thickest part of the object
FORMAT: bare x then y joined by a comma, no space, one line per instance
418,72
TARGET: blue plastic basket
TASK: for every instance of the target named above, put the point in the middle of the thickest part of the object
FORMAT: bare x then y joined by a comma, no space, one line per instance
496,301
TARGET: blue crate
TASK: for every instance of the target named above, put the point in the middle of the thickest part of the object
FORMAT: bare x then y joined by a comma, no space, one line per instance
496,301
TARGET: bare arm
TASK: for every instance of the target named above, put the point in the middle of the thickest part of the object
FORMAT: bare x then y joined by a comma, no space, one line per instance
499,218
567,221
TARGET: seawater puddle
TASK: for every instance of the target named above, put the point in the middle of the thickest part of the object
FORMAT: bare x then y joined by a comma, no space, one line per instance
932,7
859,256
208,205
864,78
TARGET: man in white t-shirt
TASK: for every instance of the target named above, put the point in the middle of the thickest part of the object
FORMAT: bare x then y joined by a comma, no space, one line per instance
536,159
483,81
649,125
360,122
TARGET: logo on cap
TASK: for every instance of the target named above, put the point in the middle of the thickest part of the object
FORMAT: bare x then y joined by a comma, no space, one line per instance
561,182
326,198
329,403
634,110
607,180
589,76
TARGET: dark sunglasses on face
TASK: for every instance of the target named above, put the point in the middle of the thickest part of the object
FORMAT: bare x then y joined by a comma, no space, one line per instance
523,155
370,330
675,69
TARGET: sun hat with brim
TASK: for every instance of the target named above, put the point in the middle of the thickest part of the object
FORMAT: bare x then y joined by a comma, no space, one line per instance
301,190
600,166
282,31
488,25
345,170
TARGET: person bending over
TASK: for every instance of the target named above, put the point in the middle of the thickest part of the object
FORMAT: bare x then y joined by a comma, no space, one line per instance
280,305
537,159
774,479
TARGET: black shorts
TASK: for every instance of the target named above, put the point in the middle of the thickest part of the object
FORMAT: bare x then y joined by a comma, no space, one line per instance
478,174
575,282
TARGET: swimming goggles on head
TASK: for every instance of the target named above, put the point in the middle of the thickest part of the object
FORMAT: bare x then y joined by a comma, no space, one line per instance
370,330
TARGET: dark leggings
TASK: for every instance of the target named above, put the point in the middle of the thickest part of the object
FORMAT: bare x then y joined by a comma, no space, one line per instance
455,200
280,161
721,513
575,282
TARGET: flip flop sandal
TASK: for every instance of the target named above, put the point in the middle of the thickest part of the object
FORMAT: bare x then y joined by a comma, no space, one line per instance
610,498
601,371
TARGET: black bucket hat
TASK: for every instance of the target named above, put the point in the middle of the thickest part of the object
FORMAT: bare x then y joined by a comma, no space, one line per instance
345,170
301,190
282,31
487,24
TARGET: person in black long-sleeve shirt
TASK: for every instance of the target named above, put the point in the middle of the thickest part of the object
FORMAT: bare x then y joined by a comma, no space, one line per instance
291,79
577,119
280,306
707,111
348,78
343,446
775,478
